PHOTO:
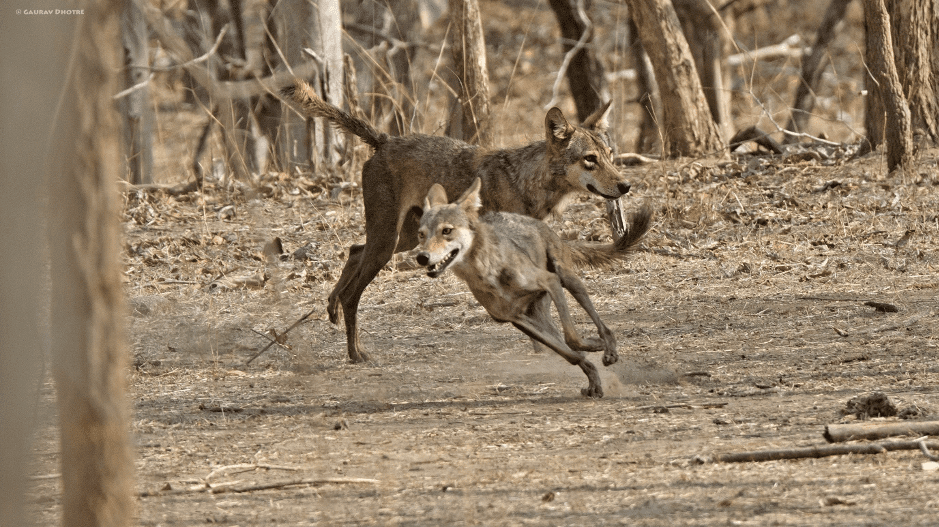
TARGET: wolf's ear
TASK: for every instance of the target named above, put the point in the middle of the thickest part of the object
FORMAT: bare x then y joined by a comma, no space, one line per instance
556,126
470,201
436,197
597,120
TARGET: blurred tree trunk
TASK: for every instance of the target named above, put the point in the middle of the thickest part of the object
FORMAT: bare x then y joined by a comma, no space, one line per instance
648,96
30,77
135,106
386,30
915,31
294,28
688,128
584,72
469,57
880,59
708,41
89,351
299,25
812,68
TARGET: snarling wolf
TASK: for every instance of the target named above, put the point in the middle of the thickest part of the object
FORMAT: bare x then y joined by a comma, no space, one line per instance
533,180
516,266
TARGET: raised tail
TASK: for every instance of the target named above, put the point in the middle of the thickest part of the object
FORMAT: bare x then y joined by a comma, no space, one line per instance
311,103
585,254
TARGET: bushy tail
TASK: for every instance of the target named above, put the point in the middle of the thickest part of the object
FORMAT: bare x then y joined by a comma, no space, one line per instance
311,103
585,254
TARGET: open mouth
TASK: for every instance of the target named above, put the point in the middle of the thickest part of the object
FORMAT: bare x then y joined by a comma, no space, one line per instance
593,189
434,270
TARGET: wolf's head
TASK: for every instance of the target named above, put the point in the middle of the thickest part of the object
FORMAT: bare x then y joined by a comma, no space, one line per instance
446,232
582,155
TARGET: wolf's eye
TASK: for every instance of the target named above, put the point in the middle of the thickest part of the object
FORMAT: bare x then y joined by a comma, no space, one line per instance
590,160
446,231
420,235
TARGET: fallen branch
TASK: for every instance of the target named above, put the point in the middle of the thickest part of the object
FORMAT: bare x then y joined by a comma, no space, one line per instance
791,47
165,491
166,188
271,343
819,451
869,430
630,159
245,467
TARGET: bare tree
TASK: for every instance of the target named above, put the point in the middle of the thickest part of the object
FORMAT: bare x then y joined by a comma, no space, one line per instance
648,96
302,27
915,32
30,82
880,58
584,71
812,68
386,30
688,128
469,58
709,40
88,342
135,102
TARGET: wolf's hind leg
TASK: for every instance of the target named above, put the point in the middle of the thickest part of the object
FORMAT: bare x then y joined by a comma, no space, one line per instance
349,269
541,310
571,336
532,329
578,290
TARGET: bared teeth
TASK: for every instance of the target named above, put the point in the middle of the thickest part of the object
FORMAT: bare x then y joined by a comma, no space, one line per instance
442,264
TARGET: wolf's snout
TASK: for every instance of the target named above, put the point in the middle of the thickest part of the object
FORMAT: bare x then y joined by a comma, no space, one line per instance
423,259
623,188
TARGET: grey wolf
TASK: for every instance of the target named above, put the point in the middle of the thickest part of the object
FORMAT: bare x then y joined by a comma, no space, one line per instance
533,180
516,266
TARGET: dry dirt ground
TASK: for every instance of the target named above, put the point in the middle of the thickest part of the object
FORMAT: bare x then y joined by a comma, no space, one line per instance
742,326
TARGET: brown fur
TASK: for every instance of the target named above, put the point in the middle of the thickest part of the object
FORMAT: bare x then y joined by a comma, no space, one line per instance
533,180
516,266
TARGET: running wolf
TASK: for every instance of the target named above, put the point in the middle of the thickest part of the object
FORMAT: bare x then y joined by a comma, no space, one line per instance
516,266
533,180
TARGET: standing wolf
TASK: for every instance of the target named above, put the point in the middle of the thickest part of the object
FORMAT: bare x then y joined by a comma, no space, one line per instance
533,180
516,265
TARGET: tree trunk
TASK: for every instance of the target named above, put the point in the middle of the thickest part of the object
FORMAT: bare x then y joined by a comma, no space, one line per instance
30,77
89,351
812,68
648,93
688,128
880,60
469,58
293,27
704,27
915,25
385,29
584,72
135,106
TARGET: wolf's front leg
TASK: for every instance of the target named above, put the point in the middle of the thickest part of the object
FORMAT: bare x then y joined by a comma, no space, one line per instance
532,328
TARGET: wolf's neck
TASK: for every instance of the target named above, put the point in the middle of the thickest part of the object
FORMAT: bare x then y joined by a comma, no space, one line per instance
473,265
539,188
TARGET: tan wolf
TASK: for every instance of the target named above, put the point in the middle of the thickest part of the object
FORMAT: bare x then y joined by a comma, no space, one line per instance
533,180
516,266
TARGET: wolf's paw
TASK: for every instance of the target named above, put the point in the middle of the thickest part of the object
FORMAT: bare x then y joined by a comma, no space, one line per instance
358,356
332,309
610,356
592,391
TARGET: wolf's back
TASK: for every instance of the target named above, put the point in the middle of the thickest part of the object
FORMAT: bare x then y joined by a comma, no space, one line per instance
304,95
594,255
